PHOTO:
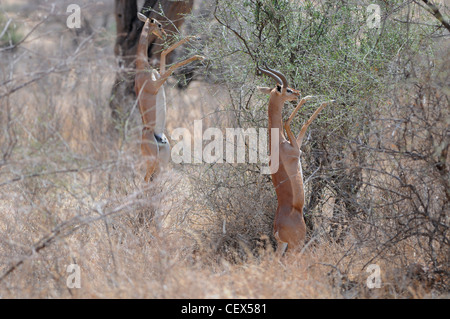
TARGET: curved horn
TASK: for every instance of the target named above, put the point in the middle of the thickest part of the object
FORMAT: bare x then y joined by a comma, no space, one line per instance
272,75
280,75
141,17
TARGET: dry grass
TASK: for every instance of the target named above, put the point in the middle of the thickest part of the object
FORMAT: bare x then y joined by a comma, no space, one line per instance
73,192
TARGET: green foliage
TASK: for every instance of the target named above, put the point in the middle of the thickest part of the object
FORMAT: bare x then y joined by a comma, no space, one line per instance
324,48
11,35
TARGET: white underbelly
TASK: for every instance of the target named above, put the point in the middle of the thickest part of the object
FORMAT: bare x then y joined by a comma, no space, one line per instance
160,121
160,111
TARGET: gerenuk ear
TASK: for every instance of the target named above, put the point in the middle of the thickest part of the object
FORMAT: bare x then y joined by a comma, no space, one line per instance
141,17
264,90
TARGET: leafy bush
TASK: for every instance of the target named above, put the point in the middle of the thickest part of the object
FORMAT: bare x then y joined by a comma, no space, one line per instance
328,49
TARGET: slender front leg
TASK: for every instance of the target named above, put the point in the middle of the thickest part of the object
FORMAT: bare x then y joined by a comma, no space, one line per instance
287,125
165,75
162,65
308,123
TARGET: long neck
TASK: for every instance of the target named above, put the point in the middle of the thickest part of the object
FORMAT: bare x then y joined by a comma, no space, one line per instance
275,118
142,49
275,109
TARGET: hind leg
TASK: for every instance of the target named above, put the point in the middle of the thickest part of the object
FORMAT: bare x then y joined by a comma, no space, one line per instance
149,148
290,229
281,248
164,155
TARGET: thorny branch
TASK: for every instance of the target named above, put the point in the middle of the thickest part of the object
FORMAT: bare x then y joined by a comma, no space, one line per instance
69,227
433,9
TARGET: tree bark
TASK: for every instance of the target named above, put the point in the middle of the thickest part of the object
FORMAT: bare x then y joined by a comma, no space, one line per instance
129,28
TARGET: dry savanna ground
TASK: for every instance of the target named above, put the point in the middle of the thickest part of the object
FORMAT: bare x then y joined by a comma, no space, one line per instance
72,190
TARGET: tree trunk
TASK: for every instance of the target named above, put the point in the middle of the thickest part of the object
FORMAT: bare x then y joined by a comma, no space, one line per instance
128,31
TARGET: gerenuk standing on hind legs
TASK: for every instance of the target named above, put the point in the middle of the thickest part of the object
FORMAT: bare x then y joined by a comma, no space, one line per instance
289,223
149,86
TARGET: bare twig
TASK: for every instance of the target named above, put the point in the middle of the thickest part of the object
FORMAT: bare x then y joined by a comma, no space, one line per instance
6,28
15,45
433,9
249,51
67,228
63,171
